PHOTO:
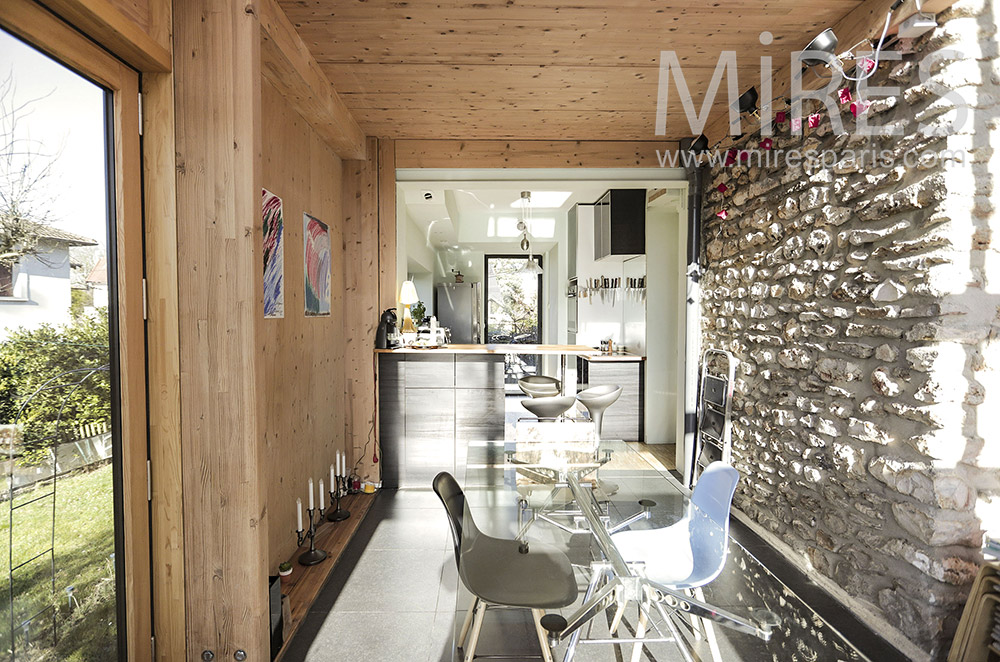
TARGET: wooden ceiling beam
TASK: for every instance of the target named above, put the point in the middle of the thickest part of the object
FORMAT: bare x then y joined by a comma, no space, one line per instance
529,153
287,63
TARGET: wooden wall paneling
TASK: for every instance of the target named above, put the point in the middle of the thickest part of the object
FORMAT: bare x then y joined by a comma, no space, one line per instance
361,309
529,153
167,525
387,223
124,33
217,101
302,357
288,64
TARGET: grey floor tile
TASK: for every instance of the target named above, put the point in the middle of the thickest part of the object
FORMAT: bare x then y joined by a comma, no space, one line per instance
394,580
372,637
412,528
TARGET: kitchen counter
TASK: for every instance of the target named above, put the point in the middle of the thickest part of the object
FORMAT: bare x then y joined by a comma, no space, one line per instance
612,358
578,350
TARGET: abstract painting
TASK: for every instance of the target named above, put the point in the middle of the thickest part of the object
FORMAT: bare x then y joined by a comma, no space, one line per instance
274,255
316,260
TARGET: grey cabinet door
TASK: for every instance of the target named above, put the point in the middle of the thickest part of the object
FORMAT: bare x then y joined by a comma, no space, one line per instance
623,419
391,400
478,371
430,434
430,371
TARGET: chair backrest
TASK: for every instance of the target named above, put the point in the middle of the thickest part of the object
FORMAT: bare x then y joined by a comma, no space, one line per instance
709,521
453,498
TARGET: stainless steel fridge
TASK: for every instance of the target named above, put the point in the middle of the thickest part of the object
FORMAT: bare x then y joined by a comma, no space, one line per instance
459,306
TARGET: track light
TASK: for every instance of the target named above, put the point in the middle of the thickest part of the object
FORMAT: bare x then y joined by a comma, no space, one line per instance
747,103
825,42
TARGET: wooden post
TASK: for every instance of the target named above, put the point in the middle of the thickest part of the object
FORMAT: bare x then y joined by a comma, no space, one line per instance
217,101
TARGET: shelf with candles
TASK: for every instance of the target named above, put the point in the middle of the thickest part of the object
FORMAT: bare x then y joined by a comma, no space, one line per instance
339,487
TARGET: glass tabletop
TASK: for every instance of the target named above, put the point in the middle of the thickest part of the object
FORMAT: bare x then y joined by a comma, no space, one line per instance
505,482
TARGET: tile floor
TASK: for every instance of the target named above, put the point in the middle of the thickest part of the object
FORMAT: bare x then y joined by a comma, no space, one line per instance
395,596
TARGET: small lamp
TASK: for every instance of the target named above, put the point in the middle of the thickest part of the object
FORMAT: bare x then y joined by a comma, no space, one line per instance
407,297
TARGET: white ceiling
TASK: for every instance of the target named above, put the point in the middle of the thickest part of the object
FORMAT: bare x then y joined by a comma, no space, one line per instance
483,215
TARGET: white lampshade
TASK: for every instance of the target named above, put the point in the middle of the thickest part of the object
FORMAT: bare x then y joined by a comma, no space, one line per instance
408,293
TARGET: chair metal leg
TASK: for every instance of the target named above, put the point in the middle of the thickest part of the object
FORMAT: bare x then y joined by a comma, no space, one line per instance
713,644
640,632
468,622
674,631
543,638
477,626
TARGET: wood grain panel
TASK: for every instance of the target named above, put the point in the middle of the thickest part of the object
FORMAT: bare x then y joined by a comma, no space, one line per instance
123,33
302,357
387,223
529,153
361,309
538,69
220,289
166,510
288,64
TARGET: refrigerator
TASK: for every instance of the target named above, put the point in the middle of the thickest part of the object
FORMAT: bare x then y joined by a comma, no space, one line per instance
459,306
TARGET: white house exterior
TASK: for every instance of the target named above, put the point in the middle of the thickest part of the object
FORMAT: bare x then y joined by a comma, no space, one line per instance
38,289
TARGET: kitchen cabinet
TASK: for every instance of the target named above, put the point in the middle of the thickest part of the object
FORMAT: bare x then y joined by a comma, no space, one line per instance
620,224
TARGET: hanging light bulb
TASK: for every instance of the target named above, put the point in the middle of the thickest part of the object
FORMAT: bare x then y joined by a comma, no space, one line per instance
531,267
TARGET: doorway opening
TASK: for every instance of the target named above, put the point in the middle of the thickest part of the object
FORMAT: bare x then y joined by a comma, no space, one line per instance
514,311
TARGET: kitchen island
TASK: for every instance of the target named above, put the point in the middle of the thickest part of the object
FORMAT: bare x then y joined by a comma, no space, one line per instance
434,402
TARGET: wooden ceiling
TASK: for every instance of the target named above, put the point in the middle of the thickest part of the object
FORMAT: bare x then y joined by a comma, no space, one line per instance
539,69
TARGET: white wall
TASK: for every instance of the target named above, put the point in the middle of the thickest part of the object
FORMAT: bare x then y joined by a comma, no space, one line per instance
634,307
666,237
41,290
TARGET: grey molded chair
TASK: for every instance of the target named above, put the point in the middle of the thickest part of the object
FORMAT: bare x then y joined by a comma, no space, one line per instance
539,386
598,398
499,572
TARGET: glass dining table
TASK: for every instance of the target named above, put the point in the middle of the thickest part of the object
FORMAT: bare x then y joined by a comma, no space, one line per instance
575,496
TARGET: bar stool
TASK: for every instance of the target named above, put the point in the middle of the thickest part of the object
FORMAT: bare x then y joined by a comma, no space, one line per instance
539,386
596,400
549,408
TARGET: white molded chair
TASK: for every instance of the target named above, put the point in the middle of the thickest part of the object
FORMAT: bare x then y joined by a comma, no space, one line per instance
691,552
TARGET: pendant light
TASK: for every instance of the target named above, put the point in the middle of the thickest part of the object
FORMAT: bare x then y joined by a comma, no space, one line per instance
531,267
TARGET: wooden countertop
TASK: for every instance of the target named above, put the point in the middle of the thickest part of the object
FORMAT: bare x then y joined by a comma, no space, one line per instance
613,358
579,350
586,352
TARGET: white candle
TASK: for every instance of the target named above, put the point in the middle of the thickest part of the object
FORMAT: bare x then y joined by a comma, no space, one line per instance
298,505
312,503
333,478
322,499
340,464
343,464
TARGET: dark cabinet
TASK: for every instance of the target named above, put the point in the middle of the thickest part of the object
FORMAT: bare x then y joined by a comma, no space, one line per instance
620,224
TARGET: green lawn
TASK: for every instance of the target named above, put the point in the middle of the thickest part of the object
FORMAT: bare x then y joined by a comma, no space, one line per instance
84,543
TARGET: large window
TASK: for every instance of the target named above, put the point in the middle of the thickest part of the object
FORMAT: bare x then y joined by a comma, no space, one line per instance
73,516
513,310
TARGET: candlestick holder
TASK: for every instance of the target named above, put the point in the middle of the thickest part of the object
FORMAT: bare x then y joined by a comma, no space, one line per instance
338,514
313,556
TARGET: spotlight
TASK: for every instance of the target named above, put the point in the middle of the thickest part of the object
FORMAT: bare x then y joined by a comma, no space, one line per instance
825,42
747,103
699,144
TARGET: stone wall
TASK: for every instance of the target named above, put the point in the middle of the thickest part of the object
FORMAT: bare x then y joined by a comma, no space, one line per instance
862,300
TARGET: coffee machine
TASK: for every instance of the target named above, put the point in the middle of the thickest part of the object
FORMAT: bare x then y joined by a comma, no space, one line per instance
387,337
